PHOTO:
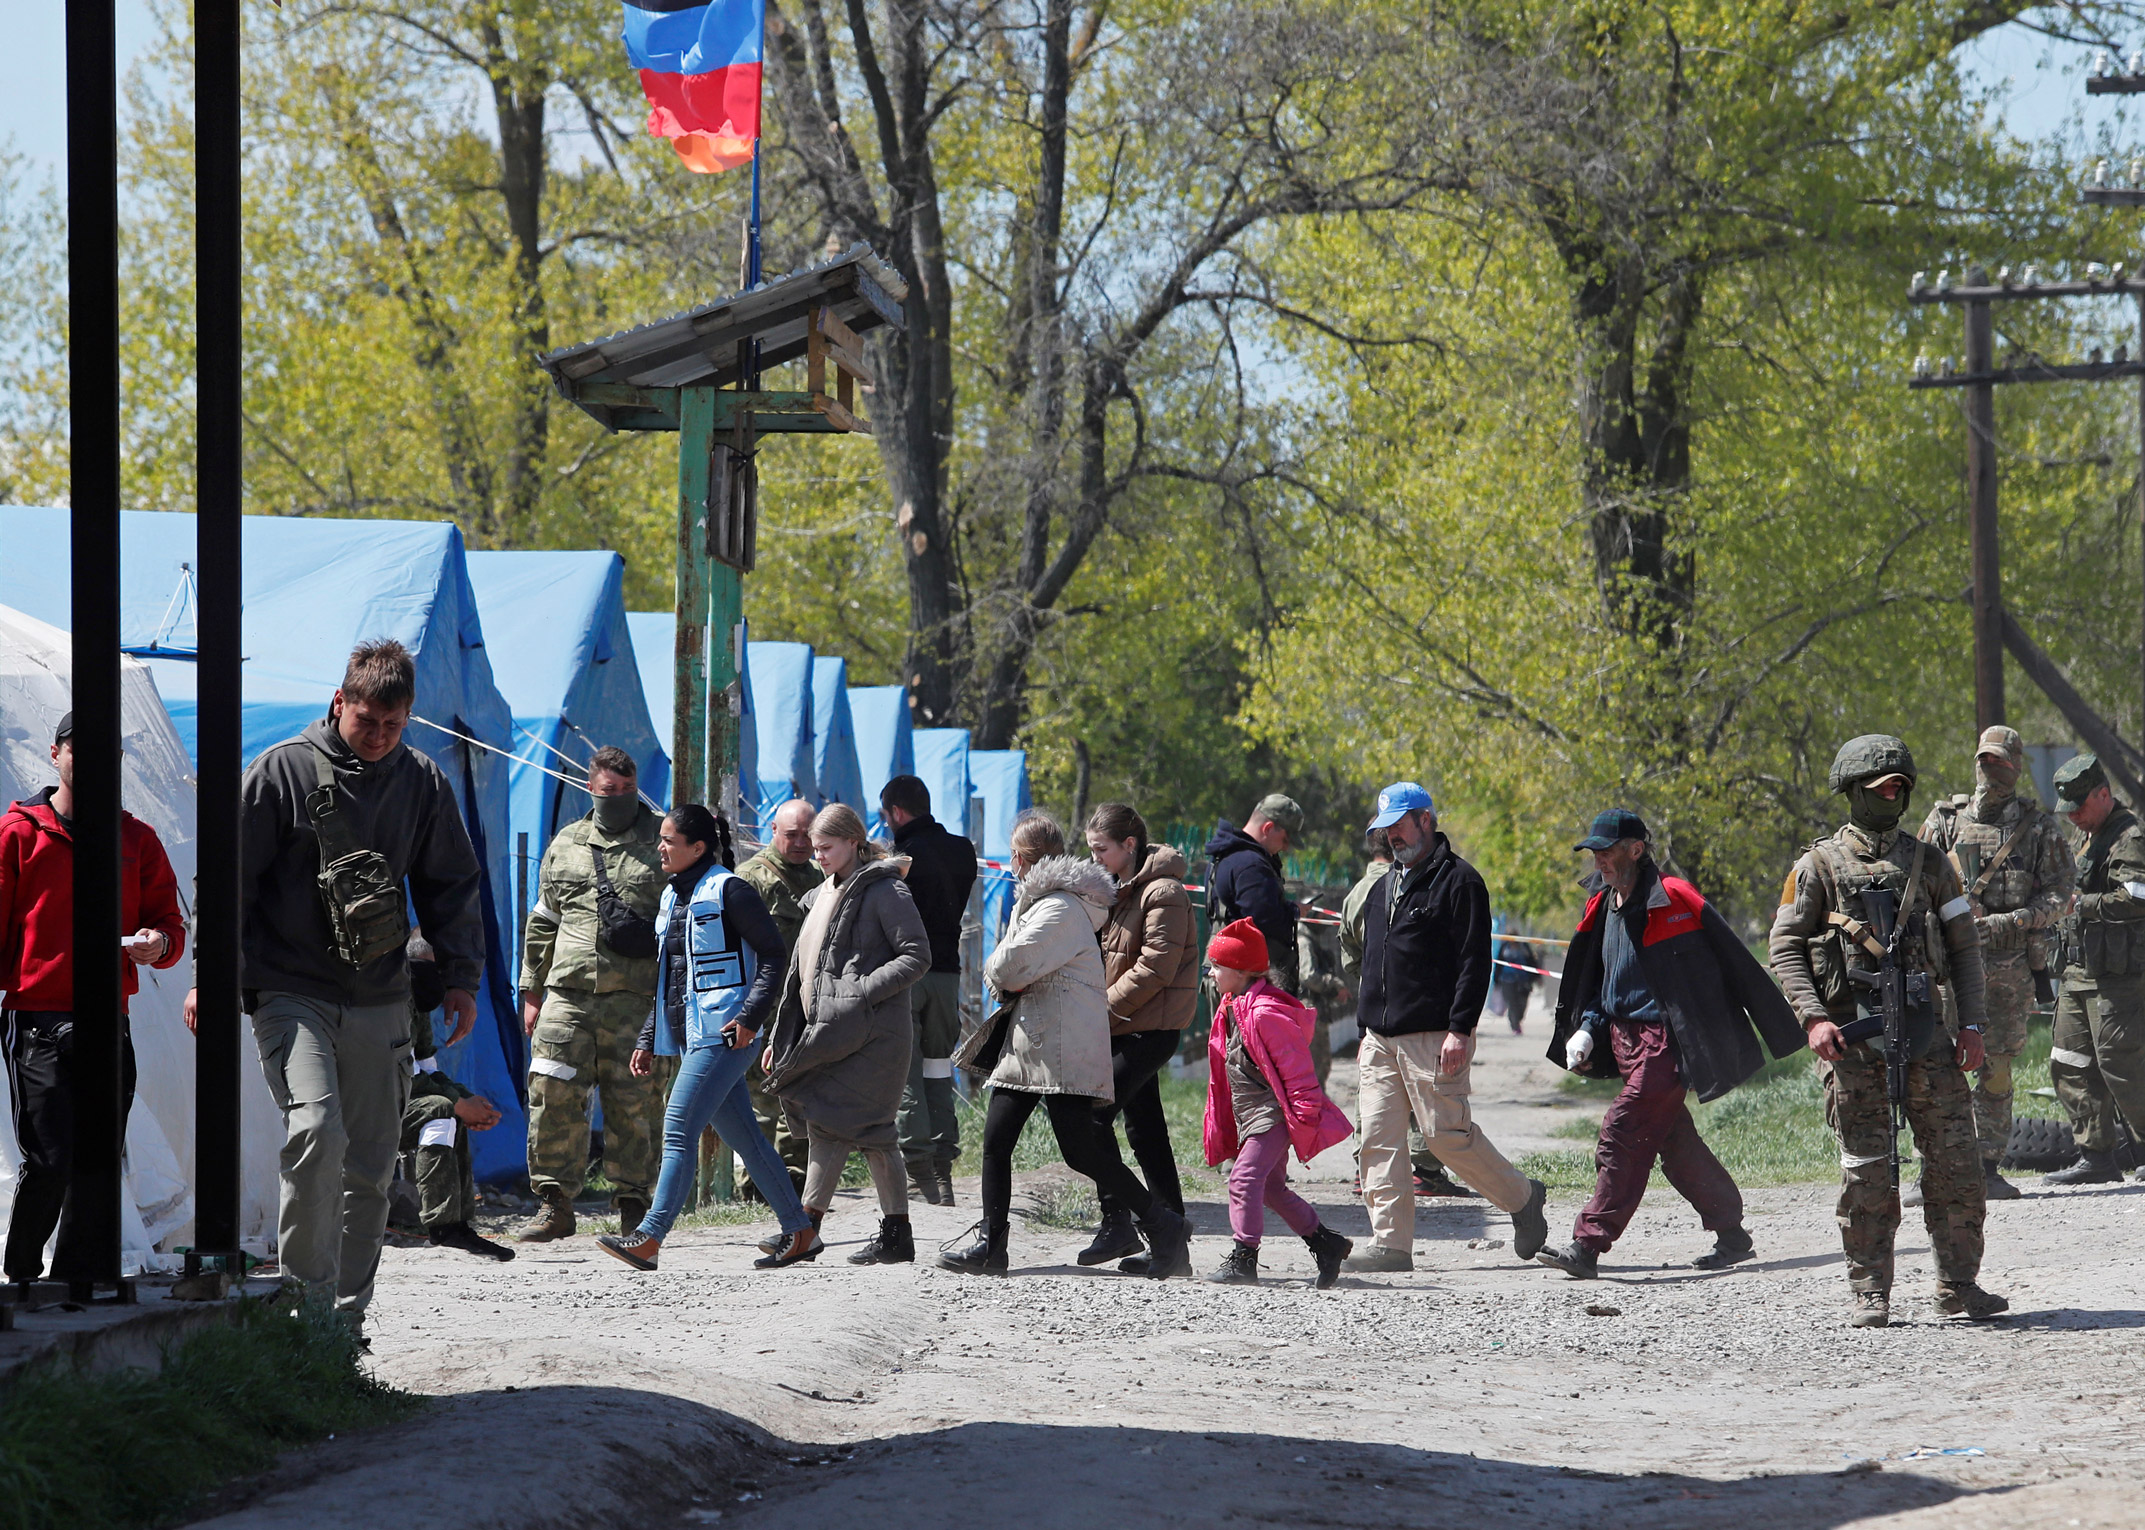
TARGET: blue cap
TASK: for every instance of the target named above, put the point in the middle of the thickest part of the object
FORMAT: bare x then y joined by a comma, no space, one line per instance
1612,826
1399,800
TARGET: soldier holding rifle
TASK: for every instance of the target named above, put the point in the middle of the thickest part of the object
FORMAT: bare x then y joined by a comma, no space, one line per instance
1871,921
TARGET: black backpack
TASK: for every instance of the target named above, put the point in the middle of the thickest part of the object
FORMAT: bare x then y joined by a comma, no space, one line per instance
625,932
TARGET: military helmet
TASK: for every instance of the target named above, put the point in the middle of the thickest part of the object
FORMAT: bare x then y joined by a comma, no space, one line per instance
1872,757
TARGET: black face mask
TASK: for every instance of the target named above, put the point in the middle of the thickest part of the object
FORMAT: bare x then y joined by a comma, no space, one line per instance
1873,814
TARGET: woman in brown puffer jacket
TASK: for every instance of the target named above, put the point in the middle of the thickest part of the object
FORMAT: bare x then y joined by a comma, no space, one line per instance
1150,959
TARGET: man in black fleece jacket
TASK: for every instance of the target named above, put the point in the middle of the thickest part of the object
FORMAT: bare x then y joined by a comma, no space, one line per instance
941,874
334,1038
1426,971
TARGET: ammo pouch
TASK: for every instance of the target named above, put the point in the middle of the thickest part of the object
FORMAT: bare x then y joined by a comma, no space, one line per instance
367,913
2106,948
625,932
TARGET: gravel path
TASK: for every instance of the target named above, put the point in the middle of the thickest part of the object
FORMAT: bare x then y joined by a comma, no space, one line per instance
1474,1387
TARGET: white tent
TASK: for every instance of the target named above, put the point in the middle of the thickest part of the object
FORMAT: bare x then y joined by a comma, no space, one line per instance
35,689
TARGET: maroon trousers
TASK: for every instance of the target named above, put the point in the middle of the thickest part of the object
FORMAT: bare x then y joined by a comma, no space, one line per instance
1649,1121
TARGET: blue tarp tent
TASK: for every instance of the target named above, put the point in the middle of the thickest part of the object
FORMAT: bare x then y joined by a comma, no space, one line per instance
655,650
313,589
879,715
834,744
782,719
564,659
942,765
1000,780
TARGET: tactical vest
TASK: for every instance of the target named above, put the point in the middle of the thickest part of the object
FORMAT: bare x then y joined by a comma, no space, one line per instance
1834,952
1974,847
2104,947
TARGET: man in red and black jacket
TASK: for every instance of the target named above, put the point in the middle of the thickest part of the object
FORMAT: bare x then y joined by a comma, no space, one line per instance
1658,989
37,974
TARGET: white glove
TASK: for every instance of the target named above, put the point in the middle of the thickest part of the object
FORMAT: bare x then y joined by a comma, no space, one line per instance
1579,1048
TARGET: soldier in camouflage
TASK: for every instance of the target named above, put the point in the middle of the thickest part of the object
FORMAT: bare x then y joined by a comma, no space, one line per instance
2010,856
583,1003
1820,935
782,873
2097,1058
436,1123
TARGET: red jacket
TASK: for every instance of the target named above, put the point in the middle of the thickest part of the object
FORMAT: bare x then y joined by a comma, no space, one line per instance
1277,1033
37,903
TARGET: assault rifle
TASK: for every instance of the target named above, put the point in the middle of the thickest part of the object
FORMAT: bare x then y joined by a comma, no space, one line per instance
1888,985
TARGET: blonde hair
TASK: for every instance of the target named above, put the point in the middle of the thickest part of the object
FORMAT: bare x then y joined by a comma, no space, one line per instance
840,821
1036,834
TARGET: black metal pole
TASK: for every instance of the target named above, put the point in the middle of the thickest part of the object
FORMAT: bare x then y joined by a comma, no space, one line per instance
220,493
92,1214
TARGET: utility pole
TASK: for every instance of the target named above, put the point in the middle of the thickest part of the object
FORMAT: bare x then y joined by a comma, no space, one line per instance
1981,508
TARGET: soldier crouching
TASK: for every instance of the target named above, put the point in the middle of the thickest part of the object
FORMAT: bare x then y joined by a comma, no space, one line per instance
1822,934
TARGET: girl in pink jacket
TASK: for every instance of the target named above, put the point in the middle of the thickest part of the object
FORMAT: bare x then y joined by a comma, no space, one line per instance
1262,1098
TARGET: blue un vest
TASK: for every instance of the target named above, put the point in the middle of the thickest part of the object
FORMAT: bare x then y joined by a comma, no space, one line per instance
719,968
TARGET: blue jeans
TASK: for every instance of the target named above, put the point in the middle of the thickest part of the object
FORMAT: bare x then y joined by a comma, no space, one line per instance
710,1090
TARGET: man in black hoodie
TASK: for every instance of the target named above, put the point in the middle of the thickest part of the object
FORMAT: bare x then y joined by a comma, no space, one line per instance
1244,880
328,986
942,871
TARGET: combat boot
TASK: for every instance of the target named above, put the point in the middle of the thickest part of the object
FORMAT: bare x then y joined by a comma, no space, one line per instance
1994,1187
1240,1268
942,1176
2091,1169
1169,1242
1114,1239
462,1236
1870,1309
923,1184
1329,1248
631,1210
554,1221
1962,1298
894,1243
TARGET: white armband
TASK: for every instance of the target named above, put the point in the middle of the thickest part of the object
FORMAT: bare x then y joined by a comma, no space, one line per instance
2136,890
1957,907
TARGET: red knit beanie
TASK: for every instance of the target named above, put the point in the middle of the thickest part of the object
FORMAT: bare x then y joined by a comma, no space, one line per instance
1239,946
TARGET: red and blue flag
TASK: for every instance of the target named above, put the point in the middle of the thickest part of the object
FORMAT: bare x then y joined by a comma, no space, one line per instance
699,63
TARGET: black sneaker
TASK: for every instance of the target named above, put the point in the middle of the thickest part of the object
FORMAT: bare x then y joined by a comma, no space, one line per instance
460,1235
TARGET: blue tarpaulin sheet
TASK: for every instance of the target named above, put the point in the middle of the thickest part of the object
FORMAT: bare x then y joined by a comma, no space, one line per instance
942,766
834,744
1000,780
563,657
886,748
782,707
314,589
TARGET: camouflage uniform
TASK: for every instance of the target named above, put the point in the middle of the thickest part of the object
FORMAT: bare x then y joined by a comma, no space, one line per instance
2016,903
1322,988
594,1004
446,1186
781,887
2098,1054
1811,956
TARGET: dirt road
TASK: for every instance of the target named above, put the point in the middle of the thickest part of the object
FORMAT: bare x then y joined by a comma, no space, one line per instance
1474,1391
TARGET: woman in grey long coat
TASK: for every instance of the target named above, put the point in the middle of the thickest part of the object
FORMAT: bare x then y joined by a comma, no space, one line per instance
839,1054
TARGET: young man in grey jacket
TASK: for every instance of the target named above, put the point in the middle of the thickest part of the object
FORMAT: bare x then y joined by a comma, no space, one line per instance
325,976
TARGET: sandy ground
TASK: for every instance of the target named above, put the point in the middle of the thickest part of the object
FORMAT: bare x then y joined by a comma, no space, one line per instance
1473,1391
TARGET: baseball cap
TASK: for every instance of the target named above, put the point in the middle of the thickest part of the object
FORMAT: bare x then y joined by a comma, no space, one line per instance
1399,800
2077,776
1277,808
1611,826
2002,742
65,730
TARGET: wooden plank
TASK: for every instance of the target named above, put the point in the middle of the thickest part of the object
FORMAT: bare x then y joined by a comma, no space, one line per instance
815,352
688,753
625,396
839,417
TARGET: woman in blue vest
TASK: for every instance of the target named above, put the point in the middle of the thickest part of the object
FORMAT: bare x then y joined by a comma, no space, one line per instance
719,973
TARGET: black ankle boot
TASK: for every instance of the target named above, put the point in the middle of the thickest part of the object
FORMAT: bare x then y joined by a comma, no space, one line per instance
894,1244
1329,1248
1169,1242
985,1256
1240,1268
1114,1239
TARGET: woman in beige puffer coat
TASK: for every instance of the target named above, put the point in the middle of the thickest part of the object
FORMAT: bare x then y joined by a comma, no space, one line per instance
1053,1047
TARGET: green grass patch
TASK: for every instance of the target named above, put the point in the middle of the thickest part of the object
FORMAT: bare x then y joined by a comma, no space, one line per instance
1070,1206
130,1448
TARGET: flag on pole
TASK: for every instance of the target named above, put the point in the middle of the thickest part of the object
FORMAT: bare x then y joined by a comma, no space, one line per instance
699,64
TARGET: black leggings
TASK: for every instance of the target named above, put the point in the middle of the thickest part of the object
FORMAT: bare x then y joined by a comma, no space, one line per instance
1072,1121
1136,1064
